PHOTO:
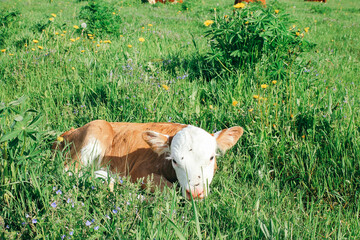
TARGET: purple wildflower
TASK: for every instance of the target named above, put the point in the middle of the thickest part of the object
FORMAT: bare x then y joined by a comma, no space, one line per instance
115,211
96,228
34,221
53,205
88,223
58,192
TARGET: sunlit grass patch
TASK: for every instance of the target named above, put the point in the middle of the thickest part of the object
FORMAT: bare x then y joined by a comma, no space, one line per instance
294,174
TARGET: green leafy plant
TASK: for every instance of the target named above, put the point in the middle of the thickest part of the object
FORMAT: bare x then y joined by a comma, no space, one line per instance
99,18
18,140
253,34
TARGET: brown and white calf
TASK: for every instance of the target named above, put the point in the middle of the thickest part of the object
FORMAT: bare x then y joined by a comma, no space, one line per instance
162,152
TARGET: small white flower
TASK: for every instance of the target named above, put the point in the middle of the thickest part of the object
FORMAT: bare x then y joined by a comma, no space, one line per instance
83,25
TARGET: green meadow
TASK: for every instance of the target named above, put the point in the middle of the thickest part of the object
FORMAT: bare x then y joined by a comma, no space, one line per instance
294,174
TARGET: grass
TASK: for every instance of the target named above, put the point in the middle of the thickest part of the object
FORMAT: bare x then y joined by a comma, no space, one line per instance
294,174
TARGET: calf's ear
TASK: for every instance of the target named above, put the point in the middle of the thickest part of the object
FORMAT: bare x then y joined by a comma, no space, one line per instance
227,138
158,142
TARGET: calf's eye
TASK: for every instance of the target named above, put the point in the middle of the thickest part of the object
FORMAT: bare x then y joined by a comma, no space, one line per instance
211,158
174,161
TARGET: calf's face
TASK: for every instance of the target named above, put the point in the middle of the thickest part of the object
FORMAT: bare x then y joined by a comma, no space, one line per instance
193,154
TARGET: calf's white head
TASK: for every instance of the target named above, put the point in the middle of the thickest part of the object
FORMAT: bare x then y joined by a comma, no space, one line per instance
193,154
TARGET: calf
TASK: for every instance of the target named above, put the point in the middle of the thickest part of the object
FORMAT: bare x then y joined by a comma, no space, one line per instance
159,152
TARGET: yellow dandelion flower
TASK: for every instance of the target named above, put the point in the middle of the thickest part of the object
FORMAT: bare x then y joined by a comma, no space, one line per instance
96,51
114,13
274,126
56,33
211,107
256,96
142,39
165,87
73,68
64,31
226,16
77,38
251,109
51,19
234,103
35,41
277,11
274,82
91,38
90,35
33,49
73,40
129,46
98,45
101,41
25,44
63,35
76,26
142,27
292,116
264,86
40,47
208,22
247,22
240,5
82,51
150,25
60,139
11,54
303,136
306,29
3,50
297,33
121,36
53,14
